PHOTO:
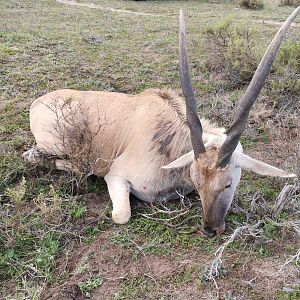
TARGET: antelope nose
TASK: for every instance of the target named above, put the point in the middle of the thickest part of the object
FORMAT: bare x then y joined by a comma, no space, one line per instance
209,232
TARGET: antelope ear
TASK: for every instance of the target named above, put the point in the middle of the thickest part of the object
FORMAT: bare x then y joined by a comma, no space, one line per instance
256,166
182,161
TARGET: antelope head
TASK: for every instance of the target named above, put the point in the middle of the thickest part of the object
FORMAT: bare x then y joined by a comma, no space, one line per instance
215,166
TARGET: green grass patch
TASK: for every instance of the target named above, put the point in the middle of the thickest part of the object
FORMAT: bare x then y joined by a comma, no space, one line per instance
87,287
252,183
293,294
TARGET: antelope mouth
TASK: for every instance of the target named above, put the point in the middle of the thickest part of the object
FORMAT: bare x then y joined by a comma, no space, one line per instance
210,231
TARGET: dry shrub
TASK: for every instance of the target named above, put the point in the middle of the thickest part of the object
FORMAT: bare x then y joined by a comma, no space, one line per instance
289,56
75,129
251,4
50,207
17,193
289,2
233,54
230,52
284,83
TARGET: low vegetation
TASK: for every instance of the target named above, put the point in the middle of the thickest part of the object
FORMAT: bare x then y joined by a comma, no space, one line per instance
290,2
57,240
284,85
251,4
231,51
232,54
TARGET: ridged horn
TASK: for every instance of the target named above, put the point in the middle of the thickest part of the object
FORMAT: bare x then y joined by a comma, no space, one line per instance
188,92
241,115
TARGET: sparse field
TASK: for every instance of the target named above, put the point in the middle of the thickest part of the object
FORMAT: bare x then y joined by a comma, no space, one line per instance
57,240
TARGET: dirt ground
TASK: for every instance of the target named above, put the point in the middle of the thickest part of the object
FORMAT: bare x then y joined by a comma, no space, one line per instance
259,278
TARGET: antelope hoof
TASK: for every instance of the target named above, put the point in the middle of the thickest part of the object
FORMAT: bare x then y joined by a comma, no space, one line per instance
121,217
32,156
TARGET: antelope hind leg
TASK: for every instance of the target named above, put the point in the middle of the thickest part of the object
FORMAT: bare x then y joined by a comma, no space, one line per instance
34,156
119,190
65,165
38,157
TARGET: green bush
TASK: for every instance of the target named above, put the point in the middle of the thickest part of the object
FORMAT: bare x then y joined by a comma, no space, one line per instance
285,80
289,2
233,53
230,52
251,4
289,56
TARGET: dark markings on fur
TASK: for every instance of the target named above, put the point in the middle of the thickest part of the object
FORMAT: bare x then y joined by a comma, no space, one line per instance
161,130
174,174
163,145
164,134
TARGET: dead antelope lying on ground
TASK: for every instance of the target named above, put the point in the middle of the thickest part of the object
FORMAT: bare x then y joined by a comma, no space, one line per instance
153,144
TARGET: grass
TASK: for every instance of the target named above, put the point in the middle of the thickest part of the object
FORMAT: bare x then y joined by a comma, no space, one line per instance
88,286
292,294
163,237
43,219
140,287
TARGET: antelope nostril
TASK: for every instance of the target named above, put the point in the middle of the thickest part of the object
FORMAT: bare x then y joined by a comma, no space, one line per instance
209,232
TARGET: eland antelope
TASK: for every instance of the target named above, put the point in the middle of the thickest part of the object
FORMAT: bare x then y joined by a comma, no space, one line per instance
153,144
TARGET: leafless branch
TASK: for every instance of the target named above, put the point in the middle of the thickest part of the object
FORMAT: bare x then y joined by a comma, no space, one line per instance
286,195
215,269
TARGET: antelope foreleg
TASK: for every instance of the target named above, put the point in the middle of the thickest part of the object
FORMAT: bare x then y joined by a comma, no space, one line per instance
119,190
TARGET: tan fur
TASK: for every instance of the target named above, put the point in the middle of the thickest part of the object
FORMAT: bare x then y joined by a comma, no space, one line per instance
128,139
209,176
209,159
121,116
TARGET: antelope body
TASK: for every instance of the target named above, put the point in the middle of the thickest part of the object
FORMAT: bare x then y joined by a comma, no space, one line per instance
153,144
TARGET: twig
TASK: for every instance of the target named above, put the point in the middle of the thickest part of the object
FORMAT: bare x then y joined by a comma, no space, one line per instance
216,265
292,258
285,195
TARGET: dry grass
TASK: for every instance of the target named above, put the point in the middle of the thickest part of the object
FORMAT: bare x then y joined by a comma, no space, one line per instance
251,4
290,2
45,231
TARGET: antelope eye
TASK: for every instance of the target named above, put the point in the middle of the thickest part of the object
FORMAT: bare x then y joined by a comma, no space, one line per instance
227,186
